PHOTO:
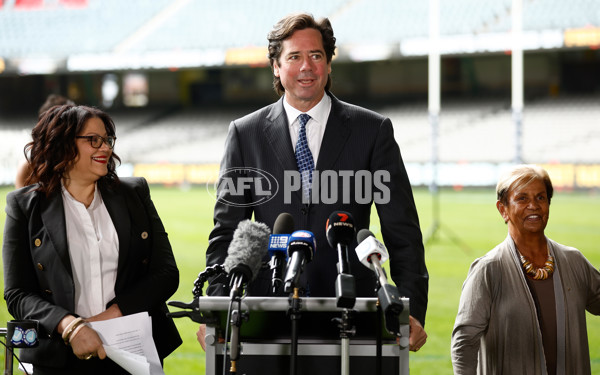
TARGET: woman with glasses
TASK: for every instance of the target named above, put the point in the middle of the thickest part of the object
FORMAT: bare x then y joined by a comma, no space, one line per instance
82,245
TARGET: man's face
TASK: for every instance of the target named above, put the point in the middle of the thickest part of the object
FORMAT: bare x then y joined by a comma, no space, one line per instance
303,69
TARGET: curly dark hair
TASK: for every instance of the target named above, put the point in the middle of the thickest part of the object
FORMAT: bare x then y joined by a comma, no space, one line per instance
52,151
286,27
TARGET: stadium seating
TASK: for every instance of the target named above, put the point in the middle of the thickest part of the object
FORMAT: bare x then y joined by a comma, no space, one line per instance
60,31
105,26
561,129
554,130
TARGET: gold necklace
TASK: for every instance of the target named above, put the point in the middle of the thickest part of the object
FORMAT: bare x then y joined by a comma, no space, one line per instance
536,273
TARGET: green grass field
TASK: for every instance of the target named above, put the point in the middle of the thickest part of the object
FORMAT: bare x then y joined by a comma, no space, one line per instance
469,227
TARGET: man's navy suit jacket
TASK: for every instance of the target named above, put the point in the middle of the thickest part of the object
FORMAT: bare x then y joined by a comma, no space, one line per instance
355,139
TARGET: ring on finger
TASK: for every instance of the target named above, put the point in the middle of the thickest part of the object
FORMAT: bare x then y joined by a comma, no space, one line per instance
89,356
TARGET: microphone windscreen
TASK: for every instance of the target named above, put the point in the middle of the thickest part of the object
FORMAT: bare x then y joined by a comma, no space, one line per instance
368,246
340,228
278,241
284,224
363,234
247,249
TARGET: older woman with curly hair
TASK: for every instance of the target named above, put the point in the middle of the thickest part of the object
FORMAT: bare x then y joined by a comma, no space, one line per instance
82,245
522,308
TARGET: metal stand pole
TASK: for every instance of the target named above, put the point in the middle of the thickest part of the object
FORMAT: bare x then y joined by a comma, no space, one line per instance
237,316
378,340
8,361
345,356
346,331
234,353
294,312
8,355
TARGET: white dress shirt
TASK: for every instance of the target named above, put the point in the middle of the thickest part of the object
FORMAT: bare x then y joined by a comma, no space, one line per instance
94,252
315,128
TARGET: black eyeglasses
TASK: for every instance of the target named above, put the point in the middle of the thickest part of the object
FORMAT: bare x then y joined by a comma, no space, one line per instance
96,141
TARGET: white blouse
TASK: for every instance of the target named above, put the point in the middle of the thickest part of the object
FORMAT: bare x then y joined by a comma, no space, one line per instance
94,252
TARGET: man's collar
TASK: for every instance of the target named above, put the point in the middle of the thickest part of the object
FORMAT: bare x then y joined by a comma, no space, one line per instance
315,112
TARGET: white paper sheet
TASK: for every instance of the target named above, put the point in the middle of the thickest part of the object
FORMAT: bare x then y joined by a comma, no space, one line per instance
128,341
133,363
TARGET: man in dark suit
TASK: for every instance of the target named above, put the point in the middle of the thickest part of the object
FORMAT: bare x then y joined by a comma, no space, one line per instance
354,160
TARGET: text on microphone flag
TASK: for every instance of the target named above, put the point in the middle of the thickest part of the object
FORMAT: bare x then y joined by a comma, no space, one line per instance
278,241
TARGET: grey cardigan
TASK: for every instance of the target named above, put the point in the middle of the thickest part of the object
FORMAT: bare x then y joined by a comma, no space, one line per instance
496,329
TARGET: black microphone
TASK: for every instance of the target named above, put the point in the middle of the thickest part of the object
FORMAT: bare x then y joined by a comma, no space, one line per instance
278,243
372,253
301,247
245,254
340,233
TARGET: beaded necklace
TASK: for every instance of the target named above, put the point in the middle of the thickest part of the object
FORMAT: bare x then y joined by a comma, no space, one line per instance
538,273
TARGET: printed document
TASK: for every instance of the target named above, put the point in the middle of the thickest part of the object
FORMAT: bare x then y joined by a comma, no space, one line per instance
128,341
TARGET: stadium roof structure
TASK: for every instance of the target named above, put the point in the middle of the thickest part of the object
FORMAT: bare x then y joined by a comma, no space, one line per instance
48,36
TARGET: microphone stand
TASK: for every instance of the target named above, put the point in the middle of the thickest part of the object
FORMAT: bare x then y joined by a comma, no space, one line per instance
294,313
235,349
378,341
388,299
345,289
346,331
236,318
389,306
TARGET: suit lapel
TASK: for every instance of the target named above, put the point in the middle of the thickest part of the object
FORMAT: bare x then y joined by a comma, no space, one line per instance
277,133
335,136
116,205
53,217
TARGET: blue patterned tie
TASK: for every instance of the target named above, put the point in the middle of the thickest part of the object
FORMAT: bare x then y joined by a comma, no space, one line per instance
304,157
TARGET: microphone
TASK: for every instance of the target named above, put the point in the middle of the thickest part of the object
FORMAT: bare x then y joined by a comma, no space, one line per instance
245,254
372,253
278,241
340,233
301,248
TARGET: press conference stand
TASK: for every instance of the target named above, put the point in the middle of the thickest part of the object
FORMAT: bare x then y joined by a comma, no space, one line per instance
265,337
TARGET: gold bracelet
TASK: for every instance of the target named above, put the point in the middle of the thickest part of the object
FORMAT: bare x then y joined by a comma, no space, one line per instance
69,330
76,330
68,327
